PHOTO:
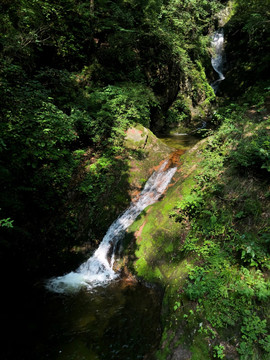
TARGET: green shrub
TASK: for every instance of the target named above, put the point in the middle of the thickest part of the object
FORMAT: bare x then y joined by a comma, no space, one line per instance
253,153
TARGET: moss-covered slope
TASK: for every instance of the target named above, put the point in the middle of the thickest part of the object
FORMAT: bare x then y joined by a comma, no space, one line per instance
207,241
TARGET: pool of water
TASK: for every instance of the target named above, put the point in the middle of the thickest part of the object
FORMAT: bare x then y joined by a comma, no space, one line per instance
120,321
179,141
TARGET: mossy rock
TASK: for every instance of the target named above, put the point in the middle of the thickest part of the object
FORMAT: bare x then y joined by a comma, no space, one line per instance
141,138
153,245
156,236
146,152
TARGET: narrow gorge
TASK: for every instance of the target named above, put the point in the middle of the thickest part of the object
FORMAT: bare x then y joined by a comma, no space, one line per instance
135,160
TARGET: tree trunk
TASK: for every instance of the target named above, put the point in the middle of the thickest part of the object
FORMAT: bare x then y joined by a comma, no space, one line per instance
92,6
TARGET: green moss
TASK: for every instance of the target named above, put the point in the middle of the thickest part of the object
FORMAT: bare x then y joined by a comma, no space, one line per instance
159,234
201,239
200,348
169,248
141,266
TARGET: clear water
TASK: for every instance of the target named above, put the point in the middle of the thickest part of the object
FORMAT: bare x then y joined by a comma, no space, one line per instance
179,141
120,321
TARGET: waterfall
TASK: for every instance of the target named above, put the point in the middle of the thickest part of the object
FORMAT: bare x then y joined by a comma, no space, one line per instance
217,61
98,269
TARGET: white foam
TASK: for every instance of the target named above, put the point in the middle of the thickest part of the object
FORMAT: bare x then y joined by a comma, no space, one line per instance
217,60
98,269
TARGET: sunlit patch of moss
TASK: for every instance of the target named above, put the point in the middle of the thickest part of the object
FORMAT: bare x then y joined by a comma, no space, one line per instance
162,232
169,248
221,197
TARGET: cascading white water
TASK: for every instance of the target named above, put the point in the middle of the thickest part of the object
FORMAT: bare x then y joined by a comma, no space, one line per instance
217,61
98,269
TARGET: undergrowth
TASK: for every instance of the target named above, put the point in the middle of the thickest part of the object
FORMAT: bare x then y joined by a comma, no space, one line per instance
225,299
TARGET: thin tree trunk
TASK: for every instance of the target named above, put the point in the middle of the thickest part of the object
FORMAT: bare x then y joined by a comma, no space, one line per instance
92,6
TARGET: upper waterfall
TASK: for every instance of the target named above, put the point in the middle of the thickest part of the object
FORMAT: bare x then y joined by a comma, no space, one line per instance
98,269
217,61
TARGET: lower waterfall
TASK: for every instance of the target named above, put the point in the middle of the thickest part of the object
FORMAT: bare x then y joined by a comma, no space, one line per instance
98,269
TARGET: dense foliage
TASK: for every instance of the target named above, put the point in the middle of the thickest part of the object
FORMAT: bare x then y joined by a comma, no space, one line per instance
248,37
207,242
228,230
74,75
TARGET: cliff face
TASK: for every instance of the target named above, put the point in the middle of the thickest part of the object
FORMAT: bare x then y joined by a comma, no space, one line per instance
185,100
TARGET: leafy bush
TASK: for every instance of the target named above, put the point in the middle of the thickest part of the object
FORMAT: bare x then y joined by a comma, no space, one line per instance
254,152
114,108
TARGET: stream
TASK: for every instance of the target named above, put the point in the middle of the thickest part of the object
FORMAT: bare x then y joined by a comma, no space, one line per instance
118,319
98,270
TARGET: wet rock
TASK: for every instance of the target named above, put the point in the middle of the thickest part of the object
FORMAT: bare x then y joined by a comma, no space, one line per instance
181,353
141,138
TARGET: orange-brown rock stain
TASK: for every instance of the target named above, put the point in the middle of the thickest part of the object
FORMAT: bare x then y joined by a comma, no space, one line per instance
174,160
139,232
